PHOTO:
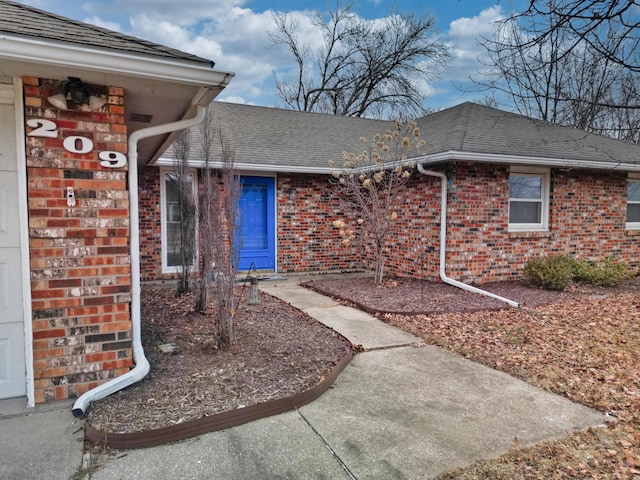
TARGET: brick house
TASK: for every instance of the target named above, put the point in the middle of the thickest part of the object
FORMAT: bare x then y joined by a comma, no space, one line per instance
79,104
515,188
79,229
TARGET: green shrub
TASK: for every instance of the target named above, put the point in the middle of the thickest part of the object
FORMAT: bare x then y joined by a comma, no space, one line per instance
554,272
608,273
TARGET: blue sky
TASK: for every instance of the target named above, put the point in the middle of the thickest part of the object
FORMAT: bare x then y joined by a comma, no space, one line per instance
233,33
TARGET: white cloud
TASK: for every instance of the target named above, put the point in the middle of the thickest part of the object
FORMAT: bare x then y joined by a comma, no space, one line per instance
182,12
467,54
103,23
234,34
464,36
237,40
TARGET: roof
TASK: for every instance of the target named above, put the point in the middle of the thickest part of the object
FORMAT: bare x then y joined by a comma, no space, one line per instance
287,140
26,21
470,128
290,140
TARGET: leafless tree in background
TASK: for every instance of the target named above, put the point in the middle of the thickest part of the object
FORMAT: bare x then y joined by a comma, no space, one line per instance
363,68
588,24
559,80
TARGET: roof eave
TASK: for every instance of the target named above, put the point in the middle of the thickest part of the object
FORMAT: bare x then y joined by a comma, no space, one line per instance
245,167
453,155
432,159
13,47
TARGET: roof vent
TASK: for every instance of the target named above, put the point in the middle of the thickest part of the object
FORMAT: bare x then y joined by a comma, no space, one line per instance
140,117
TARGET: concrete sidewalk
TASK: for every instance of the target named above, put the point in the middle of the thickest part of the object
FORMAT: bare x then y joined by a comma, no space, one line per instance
399,410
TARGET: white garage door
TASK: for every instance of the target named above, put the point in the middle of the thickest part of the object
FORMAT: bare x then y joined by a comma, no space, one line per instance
12,356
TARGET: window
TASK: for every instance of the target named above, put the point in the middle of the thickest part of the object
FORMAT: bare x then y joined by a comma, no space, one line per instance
633,203
173,214
528,199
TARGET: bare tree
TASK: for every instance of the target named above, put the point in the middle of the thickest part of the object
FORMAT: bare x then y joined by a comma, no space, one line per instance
554,81
184,211
206,213
368,185
220,216
363,68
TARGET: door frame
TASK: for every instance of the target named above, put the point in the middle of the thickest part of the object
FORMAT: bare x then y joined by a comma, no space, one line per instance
274,211
23,215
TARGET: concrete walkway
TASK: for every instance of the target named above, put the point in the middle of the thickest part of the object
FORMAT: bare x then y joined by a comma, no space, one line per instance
399,410
41,442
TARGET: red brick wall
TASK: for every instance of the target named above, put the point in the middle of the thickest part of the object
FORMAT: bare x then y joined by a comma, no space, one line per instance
414,242
586,220
80,273
150,228
307,240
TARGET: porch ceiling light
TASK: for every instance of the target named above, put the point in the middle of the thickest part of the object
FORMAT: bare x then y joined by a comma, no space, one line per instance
78,93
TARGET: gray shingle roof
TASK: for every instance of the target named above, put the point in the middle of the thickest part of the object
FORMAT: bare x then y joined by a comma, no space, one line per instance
26,21
271,137
478,129
299,141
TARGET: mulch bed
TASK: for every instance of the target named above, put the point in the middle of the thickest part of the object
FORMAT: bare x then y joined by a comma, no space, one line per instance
415,297
279,352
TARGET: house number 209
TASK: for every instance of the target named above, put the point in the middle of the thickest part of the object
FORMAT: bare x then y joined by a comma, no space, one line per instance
75,144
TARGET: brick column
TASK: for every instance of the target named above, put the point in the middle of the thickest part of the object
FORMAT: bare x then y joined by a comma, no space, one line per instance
80,265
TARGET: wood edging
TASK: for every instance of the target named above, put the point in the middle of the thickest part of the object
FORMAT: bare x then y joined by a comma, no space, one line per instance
220,421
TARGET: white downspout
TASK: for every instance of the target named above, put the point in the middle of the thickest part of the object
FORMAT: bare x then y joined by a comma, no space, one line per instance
142,364
443,241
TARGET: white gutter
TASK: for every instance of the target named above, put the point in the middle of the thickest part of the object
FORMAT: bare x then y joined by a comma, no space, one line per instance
109,62
442,157
171,162
142,364
453,155
443,241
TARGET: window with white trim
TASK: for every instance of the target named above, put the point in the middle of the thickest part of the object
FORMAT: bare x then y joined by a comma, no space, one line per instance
633,202
172,213
528,199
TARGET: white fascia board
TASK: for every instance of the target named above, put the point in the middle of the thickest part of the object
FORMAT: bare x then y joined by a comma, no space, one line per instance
433,159
515,159
171,162
109,61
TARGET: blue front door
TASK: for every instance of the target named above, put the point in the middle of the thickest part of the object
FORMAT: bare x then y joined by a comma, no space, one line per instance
256,235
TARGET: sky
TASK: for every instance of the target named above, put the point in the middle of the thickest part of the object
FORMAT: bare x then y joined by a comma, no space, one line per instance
234,34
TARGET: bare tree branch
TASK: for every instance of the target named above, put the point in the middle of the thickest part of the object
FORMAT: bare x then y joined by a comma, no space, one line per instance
182,184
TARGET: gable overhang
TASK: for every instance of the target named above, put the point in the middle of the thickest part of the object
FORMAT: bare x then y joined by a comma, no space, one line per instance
165,89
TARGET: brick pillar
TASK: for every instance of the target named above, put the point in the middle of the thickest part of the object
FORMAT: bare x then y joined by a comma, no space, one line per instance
80,265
